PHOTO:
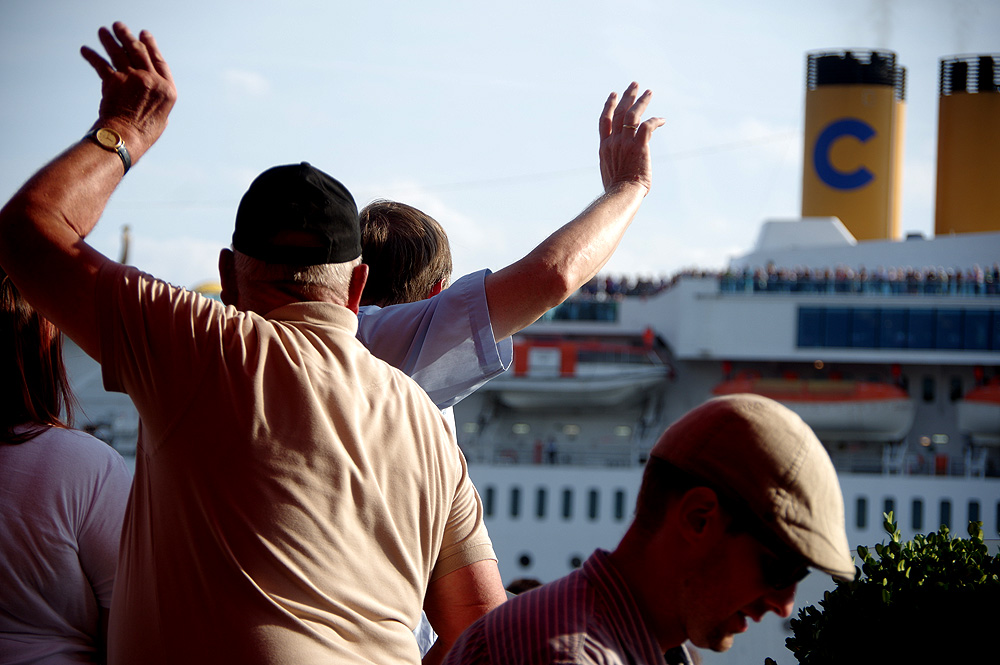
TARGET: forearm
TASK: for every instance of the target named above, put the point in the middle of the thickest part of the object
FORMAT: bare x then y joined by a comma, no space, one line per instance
71,191
520,293
45,221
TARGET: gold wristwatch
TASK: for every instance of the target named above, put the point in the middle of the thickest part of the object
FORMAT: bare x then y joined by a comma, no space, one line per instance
111,140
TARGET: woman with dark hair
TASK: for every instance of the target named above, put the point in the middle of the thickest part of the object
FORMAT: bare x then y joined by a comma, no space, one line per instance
62,502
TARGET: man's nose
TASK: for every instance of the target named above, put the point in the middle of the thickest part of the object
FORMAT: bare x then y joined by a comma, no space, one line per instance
781,601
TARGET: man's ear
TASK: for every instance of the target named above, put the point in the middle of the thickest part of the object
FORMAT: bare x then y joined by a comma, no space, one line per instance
227,277
699,514
437,288
357,286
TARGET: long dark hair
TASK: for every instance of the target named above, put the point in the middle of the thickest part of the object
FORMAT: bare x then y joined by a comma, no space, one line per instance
34,390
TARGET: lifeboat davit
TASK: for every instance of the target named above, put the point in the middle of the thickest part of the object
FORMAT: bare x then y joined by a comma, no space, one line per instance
979,414
836,410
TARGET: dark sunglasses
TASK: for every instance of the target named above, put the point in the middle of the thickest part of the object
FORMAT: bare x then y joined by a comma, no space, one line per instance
781,573
780,565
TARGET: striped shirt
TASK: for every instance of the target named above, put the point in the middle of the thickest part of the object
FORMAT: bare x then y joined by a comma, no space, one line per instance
587,617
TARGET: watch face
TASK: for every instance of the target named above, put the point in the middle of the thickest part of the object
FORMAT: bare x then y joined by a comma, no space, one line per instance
108,138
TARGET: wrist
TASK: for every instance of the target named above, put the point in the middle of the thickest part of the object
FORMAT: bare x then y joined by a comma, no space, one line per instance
111,141
131,137
635,187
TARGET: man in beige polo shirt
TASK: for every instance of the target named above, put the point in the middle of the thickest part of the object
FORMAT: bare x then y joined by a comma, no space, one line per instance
295,499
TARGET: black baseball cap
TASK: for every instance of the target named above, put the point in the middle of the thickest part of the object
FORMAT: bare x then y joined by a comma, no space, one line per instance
297,215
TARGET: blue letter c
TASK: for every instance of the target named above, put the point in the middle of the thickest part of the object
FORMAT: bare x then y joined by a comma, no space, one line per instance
860,130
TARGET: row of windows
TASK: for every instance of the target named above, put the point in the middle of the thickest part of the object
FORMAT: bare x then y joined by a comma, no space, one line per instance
565,505
900,328
944,514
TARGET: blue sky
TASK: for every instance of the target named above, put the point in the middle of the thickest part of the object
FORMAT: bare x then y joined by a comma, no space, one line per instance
482,114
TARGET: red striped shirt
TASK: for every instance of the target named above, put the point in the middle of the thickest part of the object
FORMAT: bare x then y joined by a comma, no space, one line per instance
589,616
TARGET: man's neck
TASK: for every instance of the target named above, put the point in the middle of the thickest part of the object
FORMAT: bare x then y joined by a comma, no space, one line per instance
651,585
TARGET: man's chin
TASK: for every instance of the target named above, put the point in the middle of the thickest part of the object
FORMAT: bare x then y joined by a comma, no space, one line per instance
717,643
722,639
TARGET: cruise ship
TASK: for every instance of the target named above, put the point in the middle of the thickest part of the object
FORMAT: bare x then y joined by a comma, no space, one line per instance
888,347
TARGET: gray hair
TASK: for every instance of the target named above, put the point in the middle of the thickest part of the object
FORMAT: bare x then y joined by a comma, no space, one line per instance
324,282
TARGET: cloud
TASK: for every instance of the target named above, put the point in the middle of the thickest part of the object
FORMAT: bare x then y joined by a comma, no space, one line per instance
474,245
183,261
244,83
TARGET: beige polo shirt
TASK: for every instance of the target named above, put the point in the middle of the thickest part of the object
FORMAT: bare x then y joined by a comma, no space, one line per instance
293,495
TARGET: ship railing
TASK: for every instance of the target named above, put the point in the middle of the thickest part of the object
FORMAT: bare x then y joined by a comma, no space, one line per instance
561,454
738,284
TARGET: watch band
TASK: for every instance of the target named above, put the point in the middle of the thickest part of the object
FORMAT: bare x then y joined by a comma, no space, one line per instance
112,141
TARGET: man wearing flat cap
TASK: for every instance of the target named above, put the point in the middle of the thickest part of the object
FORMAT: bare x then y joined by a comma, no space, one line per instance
295,500
738,500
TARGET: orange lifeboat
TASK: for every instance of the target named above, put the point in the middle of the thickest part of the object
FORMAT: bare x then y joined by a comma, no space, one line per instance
979,413
836,410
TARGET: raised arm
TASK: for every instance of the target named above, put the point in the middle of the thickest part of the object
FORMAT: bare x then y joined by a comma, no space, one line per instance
43,226
520,293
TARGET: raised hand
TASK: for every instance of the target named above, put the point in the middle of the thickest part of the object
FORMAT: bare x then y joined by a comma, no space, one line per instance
137,89
625,139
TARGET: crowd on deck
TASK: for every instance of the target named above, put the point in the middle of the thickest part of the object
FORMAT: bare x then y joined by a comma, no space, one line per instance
971,281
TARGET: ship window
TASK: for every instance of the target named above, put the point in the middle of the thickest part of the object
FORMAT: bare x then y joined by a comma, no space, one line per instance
575,561
864,328
810,327
955,388
524,560
892,332
541,499
974,511
592,502
567,504
948,329
920,329
619,505
623,430
515,502
928,389
977,330
571,430
488,498
917,516
889,506
861,512
837,331
520,428
945,513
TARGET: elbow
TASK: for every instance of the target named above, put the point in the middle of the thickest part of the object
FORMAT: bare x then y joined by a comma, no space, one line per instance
558,282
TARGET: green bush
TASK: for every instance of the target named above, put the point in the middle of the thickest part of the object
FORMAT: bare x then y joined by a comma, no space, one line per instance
931,598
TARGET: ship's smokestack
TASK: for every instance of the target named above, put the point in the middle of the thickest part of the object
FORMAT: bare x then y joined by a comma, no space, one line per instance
968,160
854,140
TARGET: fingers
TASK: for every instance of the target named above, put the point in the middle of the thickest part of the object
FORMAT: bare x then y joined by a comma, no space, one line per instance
155,57
119,59
645,130
100,65
633,116
628,100
138,56
604,125
626,117
125,51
